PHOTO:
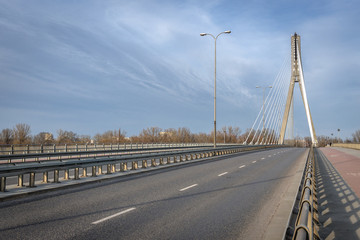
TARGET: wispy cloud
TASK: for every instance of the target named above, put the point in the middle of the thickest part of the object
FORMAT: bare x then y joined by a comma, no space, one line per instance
96,53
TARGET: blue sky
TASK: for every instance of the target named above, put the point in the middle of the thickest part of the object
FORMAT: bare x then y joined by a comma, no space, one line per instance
91,66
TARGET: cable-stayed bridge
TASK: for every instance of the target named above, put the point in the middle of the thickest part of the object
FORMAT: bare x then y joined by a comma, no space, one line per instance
275,120
261,189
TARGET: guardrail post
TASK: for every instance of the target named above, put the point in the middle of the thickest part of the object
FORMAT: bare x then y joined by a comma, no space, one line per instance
134,165
21,180
153,162
113,168
3,184
12,149
100,169
56,176
66,174
45,177
42,148
144,164
123,166
93,169
84,172
161,161
175,159
54,148
76,174
32,180
108,169
168,160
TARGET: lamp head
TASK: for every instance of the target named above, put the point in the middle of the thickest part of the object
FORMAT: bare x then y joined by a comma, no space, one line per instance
203,34
228,31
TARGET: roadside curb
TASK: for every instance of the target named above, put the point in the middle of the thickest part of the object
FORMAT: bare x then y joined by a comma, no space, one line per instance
279,222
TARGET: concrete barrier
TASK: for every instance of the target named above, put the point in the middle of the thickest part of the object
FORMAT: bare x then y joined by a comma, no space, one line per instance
347,145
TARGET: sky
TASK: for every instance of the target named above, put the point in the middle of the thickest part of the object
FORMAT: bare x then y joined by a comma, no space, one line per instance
90,66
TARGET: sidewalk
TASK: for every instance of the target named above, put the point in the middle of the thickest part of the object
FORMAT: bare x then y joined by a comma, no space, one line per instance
347,163
338,181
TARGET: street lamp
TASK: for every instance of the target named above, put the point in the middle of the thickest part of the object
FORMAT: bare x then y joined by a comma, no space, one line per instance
264,104
215,38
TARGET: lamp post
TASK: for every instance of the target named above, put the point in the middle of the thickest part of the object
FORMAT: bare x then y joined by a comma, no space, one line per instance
215,38
263,105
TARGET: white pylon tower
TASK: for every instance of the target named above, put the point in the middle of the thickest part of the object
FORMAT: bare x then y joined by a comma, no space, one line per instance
296,76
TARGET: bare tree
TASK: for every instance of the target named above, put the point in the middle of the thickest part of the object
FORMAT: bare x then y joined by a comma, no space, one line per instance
116,136
66,137
43,138
84,139
356,136
150,135
22,133
6,136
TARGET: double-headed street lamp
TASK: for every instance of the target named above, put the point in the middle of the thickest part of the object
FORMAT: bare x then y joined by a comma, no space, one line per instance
215,38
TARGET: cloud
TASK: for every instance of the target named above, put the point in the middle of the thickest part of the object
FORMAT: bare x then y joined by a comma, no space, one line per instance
91,53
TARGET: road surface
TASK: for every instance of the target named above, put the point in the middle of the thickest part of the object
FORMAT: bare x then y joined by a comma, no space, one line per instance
225,198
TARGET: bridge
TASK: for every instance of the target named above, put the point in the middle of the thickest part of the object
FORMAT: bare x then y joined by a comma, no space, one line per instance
261,189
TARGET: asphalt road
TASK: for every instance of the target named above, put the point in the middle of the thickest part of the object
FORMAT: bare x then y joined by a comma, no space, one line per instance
214,199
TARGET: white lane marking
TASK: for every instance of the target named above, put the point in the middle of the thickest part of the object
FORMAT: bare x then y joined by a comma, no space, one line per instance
242,166
221,174
186,188
112,216
269,156
262,158
253,161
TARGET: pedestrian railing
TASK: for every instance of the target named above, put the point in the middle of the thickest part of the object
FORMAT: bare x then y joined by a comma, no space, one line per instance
306,223
112,163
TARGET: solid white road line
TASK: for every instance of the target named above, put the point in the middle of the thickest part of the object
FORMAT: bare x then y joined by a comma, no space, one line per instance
253,161
242,166
186,188
221,174
112,216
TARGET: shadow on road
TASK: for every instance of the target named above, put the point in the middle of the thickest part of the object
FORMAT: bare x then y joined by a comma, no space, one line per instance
339,207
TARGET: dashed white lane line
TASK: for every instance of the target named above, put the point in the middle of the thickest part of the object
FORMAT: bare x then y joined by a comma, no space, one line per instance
253,161
186,188
242,166
222,174
114,215
262,158
269,156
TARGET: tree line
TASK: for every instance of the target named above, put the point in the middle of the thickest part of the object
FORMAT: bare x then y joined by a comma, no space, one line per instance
21,134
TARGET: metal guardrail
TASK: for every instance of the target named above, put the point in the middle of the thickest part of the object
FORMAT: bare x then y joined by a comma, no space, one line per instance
53,148
31,157
96,163
307,218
